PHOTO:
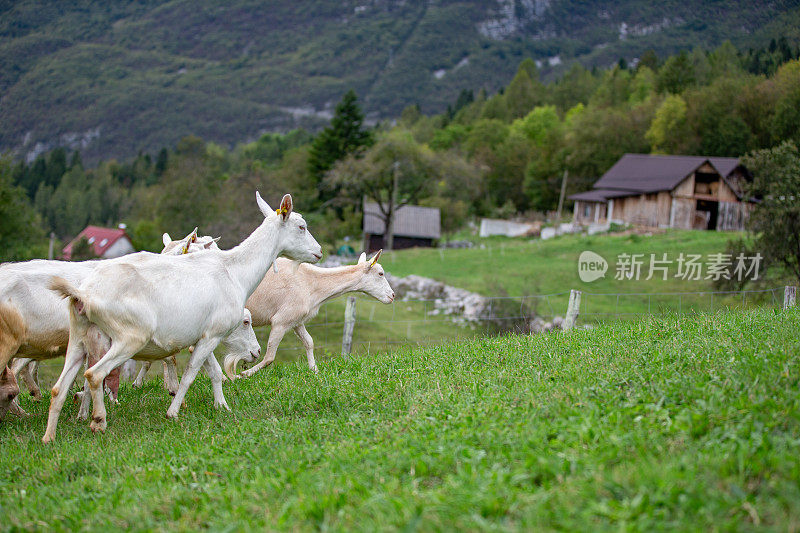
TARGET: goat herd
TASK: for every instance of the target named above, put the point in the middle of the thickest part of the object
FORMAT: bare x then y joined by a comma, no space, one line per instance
148,307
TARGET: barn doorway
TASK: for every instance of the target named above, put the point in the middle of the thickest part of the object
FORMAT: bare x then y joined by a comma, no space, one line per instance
706,214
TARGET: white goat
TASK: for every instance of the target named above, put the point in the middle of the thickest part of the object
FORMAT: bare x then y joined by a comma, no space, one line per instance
151,306
291,294
34,321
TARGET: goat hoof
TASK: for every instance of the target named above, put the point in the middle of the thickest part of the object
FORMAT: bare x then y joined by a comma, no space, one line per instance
171,413
48,438
218,405
98,424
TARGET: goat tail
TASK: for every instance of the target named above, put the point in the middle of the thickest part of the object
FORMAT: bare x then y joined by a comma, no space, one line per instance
64,288
67,290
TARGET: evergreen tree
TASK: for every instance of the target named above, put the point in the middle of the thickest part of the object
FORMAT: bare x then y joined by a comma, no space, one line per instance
56,166
465,97
649,59
161,161
76,160
21,234
345,135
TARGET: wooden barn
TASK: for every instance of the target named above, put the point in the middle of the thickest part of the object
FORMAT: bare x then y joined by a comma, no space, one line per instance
413,226
666,191
107,243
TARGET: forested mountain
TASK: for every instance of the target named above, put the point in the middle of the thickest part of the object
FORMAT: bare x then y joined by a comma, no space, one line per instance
113,79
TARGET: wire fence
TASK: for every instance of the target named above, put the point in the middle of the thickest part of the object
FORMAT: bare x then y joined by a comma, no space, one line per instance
418,322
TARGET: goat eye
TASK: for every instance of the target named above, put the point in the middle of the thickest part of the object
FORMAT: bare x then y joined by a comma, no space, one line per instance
302,228
246,322
380,273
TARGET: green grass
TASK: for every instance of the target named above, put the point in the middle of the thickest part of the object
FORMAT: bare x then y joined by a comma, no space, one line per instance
538,274
525,267
688,423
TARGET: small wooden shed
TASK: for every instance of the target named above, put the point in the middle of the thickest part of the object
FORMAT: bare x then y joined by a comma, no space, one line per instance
413,226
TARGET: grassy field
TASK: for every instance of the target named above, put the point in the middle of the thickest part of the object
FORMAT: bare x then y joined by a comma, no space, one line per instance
521,268
538,274
664,423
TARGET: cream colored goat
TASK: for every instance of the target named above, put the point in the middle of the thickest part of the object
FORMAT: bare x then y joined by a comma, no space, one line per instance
291,297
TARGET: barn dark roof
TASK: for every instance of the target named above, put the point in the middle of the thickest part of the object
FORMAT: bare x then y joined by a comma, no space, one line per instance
652,173
410,221
645,173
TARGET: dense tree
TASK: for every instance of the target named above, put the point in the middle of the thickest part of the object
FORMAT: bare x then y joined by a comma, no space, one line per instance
524,91
499,155
345,135
714,117
21,234
775,219
396,171
56,166
676,75
643,86
649,60
614,89
577,86
669,132
785,122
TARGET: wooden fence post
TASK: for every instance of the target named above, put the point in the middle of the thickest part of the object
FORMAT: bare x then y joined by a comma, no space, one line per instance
573,309
349,324
789,296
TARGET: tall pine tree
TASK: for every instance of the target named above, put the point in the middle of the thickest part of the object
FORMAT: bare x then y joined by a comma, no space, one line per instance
345,135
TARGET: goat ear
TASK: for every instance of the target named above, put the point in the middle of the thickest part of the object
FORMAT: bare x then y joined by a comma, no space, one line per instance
211,243
166,239
192,237
375,259
286,207
362,258
263,206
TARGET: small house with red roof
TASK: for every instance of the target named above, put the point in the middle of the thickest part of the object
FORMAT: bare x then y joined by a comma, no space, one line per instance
668,191
107,243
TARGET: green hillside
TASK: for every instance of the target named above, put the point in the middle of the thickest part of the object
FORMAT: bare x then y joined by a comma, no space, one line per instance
113,79
664,424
